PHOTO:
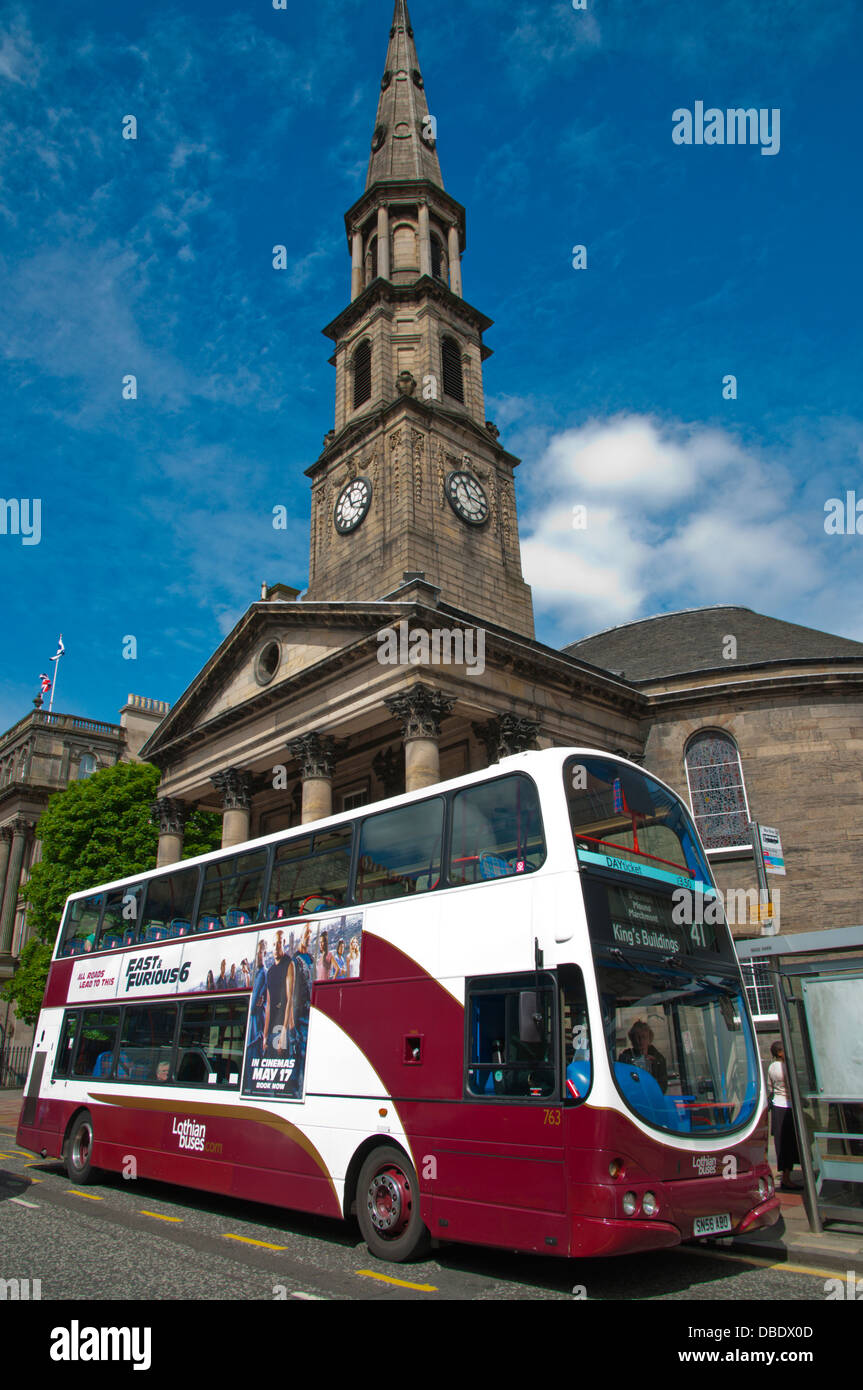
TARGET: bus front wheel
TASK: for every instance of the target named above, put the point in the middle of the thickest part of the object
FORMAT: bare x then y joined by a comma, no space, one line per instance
78,1154
388,1207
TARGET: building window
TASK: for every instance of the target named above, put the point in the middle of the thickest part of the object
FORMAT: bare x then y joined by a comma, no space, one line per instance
86,766
759,990
362,368
716,791
267,663
453,382
351,800
372,260
438,260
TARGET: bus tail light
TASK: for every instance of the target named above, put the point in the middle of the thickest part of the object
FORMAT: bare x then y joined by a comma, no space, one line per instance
630,1204
649,1204
617,1168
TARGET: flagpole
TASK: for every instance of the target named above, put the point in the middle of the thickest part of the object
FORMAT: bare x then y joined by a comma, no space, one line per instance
56,661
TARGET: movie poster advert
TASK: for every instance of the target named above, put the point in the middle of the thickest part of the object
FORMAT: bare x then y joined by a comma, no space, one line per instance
288,962
194,966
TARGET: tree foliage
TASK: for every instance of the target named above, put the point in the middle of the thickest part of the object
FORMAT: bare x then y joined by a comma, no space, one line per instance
94,831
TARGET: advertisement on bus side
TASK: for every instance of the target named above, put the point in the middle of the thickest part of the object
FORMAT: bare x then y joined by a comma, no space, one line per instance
196,966
287,964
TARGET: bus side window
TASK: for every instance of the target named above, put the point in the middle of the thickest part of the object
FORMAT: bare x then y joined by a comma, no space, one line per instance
496,831
67,1045
575,1034
511,1044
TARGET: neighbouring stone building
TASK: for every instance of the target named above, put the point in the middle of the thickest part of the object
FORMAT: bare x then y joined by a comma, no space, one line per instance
412,656
39,756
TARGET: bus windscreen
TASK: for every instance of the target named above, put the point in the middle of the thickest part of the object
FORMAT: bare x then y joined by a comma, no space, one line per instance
624,820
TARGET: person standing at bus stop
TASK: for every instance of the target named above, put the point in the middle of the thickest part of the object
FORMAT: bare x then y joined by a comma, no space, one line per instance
784,1134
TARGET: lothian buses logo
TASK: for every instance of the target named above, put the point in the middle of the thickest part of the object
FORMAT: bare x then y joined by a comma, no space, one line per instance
191,1135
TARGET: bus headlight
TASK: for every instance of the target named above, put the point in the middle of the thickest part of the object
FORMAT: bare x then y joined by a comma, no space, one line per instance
630,1203
649,1204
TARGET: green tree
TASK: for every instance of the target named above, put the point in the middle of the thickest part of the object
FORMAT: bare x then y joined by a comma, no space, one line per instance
97,830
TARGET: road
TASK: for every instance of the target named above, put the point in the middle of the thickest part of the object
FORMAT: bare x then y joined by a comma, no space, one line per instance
134,1240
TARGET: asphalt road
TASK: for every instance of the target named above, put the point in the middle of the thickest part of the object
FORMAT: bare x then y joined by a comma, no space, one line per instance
139,1240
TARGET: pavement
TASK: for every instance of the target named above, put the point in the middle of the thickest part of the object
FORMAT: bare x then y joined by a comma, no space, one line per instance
790,1241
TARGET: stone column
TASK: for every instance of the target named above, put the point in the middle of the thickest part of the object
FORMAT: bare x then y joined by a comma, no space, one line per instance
454,261
170,816
420,710
316,754
425,241
384,243
5,847
20,828
506,735
356,263
235,788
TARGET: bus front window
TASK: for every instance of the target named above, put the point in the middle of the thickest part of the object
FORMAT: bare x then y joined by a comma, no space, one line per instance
680,1047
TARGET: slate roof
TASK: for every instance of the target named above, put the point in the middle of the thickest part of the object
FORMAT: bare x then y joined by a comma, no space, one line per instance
673,644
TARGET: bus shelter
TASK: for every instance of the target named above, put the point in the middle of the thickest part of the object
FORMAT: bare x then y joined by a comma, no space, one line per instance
818,986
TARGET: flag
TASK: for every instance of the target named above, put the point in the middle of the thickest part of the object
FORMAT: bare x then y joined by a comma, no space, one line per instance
60,649
46,683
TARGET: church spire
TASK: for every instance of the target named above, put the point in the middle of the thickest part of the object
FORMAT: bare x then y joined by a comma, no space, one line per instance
403,145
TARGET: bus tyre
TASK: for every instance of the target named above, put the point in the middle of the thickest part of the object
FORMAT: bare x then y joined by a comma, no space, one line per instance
78,1153
388,1207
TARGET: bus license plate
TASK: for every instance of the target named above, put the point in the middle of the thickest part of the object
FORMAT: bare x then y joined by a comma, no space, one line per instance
710,1225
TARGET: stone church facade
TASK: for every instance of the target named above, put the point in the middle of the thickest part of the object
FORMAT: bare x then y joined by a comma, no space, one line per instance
373,682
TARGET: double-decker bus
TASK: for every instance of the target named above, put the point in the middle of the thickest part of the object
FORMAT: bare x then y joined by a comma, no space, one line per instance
504,1010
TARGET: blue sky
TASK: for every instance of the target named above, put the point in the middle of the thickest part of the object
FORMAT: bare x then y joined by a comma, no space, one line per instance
153,257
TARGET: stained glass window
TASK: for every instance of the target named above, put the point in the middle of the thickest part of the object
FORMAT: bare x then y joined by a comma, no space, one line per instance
716,790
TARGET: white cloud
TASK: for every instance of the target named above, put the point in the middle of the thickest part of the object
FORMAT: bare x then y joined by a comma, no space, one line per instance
677,516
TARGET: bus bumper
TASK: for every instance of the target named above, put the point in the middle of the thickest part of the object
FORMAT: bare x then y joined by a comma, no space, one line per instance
595,1235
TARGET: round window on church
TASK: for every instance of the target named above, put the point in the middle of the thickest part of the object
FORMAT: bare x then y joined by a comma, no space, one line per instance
267,663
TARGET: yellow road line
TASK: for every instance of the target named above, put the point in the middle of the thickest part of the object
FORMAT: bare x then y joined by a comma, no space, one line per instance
762,1263
402,1283
21,1203
91,1196
247,1240
159,1217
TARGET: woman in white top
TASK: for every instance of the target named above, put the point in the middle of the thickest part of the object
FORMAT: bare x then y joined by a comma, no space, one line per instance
784,1136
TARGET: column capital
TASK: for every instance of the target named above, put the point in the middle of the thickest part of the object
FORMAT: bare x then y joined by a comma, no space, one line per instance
21,825
316,754
235,788
170,815
420,710
505,735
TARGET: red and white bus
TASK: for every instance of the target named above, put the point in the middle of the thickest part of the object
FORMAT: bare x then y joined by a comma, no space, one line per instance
492,1011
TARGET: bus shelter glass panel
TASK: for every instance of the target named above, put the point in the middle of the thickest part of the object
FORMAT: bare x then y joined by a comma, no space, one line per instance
169,905
82,925
232,891
122,916
146,1043
496,831
823,1016
400,852
311,874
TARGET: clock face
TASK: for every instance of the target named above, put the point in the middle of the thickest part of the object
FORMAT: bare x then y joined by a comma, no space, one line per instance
353,503
467,498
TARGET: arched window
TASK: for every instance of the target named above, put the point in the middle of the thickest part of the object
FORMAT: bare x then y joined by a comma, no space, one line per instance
405,248
453,382
716,790
362,368
438,260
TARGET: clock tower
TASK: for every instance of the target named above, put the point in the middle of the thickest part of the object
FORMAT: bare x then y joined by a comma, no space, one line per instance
412,478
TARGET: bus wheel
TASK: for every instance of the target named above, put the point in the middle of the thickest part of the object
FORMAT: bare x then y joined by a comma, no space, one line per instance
78,1152
388,1207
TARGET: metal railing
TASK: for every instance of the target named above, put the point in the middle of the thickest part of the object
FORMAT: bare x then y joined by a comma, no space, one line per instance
14,1064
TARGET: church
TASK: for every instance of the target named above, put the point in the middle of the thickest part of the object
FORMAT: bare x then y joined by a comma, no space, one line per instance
411,657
